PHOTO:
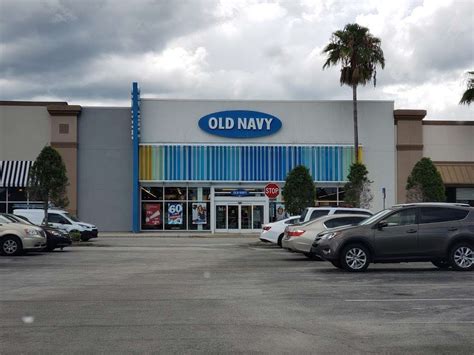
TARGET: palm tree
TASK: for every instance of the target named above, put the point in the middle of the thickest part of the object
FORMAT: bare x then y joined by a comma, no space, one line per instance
468,95
359,53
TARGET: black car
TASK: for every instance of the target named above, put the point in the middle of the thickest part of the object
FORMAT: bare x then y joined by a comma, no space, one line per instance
438,232
55,238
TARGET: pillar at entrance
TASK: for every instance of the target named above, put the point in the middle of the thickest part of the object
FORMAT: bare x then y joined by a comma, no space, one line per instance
64,140
409,140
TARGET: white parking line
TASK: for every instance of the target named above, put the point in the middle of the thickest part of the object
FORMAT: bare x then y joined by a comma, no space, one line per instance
412,300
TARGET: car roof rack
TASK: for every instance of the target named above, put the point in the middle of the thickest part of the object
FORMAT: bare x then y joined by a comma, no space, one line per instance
431,204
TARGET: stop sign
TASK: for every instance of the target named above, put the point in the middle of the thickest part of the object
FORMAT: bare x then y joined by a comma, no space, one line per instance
272,190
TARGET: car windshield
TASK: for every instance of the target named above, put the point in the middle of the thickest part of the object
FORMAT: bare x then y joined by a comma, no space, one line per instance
72,217
375,217
16,219
4,220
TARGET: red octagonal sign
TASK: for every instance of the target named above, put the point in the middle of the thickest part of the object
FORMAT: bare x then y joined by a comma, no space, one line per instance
272,190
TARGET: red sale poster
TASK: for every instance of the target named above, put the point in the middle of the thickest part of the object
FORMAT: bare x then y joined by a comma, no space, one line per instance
152,214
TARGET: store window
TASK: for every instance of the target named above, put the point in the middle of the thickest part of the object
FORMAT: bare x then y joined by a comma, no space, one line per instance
199,215
175,208
3,193
278,211
152,193
17,194
12,198
175,218
199,194
326,196
152,215
175,193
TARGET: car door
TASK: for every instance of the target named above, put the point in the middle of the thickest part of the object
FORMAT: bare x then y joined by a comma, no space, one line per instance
399,237
57,221
437,226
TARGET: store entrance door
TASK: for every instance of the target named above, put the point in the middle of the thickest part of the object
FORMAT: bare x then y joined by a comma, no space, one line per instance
239,217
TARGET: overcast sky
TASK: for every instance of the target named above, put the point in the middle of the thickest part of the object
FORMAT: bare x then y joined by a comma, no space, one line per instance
89,52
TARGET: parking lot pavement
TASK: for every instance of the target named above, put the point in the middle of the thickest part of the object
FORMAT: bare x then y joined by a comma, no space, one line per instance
186,295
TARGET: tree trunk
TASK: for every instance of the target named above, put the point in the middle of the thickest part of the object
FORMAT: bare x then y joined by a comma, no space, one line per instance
356,130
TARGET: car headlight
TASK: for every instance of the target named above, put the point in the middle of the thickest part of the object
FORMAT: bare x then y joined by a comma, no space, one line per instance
84,226
329,236
32,232
56,233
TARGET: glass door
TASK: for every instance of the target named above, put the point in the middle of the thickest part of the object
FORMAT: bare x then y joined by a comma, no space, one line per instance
245,217
234,217
257,216
221,217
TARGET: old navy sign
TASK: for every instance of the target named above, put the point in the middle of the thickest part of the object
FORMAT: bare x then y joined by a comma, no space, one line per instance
240,124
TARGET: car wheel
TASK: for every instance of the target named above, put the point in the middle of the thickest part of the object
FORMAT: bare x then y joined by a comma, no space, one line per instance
461,257
280,238
11,246
442,264
355,258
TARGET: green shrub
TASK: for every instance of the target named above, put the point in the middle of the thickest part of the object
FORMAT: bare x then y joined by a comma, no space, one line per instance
427,179
75,236
357,189
299,191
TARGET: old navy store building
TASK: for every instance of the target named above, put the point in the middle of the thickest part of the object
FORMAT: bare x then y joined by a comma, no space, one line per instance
202,165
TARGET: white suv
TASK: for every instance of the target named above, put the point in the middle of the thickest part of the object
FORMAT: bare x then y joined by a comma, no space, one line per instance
16,238
311,213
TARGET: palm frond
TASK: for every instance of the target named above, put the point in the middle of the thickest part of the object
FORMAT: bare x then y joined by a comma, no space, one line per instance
357,51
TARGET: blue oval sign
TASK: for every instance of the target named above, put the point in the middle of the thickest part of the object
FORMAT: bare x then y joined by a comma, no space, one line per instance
240,124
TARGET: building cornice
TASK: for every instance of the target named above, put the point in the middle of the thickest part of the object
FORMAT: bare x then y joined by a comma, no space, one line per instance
408,115
64,110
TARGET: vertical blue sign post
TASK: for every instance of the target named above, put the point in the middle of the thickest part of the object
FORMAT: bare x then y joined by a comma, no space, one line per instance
135,141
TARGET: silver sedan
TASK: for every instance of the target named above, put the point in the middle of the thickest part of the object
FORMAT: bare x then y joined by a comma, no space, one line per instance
300,237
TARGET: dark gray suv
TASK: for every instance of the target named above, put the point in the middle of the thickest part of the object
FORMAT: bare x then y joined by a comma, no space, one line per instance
438,232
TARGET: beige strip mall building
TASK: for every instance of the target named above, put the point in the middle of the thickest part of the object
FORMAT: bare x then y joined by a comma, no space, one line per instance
96,146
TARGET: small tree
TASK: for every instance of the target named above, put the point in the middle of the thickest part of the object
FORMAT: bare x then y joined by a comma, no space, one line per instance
299,191
357,189
47,180
427,178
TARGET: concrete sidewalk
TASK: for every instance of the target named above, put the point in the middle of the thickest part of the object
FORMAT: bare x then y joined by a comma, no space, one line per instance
176,235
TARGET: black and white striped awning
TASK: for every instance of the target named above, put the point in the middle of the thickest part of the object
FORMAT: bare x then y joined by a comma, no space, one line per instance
14,173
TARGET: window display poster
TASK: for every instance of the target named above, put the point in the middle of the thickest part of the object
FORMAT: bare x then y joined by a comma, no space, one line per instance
153,214
199,213
280,212
175,213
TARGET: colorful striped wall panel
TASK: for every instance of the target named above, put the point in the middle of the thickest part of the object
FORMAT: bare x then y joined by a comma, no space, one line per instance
242,162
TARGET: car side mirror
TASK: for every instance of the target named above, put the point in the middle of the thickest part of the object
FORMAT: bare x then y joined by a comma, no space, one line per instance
382,224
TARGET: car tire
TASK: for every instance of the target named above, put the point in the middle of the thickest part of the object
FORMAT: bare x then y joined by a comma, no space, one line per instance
461,257
312,256
442,264
280,238
11,246
355,258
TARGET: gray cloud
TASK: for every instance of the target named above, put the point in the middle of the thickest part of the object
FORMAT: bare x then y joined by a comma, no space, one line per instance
56,36
91,51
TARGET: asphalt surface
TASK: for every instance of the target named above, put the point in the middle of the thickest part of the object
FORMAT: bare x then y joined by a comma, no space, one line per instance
191,295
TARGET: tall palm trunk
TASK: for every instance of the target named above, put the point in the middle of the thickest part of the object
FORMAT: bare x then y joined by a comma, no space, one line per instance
356,129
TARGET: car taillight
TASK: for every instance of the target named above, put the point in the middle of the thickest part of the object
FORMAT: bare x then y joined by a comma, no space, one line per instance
296,233
266,228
